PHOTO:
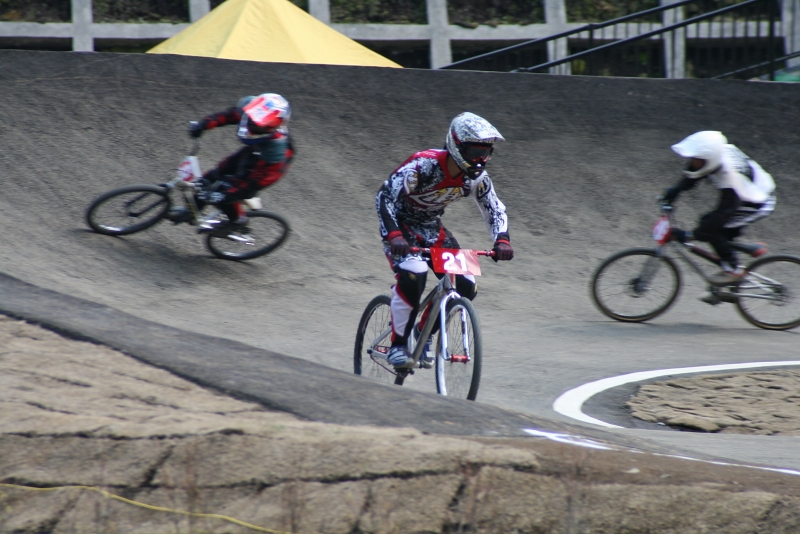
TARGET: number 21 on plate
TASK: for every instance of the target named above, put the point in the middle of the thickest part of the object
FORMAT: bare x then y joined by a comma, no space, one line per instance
455,261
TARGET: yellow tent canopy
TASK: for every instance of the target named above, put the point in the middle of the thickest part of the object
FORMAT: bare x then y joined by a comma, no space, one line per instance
268,30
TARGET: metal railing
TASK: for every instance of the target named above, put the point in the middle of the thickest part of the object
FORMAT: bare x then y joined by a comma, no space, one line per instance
742,40
501,59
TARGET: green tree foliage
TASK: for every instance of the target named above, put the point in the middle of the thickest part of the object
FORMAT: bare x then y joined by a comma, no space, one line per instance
602,10
140,10
467,13
471,13
35,11
379,11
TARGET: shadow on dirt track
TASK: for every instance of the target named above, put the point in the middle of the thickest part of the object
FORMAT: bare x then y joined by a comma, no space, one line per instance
584,160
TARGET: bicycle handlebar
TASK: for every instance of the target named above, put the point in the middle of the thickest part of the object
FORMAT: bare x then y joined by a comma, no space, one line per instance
424,250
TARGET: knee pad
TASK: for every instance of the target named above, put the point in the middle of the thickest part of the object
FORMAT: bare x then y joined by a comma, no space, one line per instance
411,285
467,288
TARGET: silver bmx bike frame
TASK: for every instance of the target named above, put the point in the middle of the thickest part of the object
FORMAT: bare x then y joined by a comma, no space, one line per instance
742,289
438,298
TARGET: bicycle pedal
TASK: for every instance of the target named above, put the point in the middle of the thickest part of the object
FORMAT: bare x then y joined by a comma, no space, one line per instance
710,299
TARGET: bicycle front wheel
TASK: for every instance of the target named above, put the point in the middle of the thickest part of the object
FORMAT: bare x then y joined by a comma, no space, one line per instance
373,339
769,294
458,369
265,232
128,209
635,285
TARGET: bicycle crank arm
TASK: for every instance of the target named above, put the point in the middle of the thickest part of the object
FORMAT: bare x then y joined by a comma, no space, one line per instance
242,239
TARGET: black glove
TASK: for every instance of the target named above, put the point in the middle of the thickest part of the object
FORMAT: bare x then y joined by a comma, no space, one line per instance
196,129
398,244
502,250
669,195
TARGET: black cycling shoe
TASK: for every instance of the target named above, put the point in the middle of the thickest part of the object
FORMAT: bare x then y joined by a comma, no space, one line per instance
179,214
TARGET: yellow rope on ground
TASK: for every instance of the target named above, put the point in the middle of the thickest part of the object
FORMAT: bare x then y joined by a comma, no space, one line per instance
150,506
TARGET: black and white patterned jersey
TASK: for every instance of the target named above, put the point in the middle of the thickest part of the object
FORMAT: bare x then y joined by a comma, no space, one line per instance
418,191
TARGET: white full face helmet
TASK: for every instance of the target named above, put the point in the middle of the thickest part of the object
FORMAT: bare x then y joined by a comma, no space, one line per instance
706,145
470,142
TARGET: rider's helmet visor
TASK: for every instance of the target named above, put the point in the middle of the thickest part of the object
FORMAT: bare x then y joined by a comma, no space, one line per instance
256,129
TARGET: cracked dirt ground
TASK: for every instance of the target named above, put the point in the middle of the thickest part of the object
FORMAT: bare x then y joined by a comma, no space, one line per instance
74,413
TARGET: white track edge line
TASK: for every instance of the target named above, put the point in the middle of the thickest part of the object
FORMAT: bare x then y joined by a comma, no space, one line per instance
592,444
570,403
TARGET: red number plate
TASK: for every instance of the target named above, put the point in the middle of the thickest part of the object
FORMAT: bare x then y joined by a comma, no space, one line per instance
455,261
662,231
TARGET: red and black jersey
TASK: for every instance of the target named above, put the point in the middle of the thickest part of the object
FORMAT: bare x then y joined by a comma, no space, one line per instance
258,165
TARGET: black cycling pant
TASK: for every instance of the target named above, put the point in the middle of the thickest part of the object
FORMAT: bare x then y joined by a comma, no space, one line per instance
711,227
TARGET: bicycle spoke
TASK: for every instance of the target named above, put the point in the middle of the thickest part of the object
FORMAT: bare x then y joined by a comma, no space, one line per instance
635,285
373,341
769,295
458,366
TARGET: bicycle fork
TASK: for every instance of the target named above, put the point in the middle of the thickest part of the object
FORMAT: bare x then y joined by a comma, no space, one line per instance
460,358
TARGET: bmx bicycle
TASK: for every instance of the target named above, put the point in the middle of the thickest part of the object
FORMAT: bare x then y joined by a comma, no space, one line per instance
458,345
133,208
639,284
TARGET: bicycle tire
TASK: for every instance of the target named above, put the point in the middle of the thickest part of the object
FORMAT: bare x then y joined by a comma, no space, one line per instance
375,321
268,236
144,197
628,284
759,282
456,378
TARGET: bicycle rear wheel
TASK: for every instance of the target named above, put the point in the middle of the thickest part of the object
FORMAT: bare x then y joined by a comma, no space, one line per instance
373,339
128,209
458,373
265,232
635,285
769,294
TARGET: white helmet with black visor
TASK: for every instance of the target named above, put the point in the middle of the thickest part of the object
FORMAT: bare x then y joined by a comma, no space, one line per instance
470,142
707,146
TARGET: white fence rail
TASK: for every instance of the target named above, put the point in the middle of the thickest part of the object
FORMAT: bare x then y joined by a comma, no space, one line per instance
83,30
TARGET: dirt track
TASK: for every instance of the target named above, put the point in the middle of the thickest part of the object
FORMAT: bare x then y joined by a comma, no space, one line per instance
583,162
584,159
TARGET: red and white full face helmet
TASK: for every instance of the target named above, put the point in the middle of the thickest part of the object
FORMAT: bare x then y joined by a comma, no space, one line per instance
470,142
261,116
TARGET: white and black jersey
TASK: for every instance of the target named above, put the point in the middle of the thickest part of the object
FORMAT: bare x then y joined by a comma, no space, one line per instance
750,184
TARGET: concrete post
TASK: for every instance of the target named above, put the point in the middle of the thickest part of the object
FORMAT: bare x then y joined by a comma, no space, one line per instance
440,39
82,39
555,15
320,10
198,9
790,19
674,43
